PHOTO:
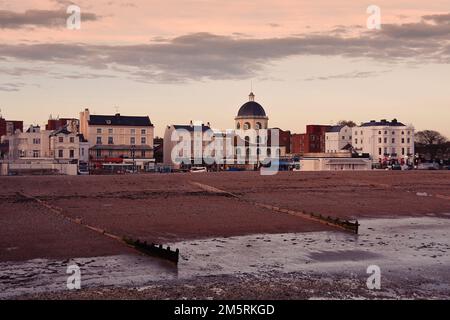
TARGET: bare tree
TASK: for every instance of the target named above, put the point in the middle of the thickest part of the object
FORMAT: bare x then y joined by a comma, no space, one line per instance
430,137
349,123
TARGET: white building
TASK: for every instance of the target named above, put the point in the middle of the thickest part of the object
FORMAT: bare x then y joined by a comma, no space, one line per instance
33,143
113,137
385,141
337,138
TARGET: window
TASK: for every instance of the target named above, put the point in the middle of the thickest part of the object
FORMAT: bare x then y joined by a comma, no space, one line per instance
82,152
379,140
36,141
403,151
356,133
99,130
343,137
132,140
238,126
110,140
72,154
362,132
99,140
356,141
379,151
385,140
403,132
72,140
385,151
379,132
60,153
393,151
143,131
110,131
409,151
35,153
362,141
99,153
385,132
409,140
61,139
247,126
143,140
403,140
393,132
258,125
133,131
393,140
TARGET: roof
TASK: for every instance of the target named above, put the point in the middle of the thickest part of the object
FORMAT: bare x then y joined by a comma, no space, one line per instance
335,129
189,127
119,120
251,109
373,123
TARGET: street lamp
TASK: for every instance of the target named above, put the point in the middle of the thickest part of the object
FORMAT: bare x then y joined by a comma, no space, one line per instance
133,154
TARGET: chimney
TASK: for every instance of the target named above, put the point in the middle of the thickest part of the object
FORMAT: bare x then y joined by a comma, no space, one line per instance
208,125
394,121
117,115
191,124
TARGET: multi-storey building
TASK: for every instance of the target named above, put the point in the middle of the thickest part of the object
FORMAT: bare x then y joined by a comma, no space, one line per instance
8,127
337,138
313,141
118,138
385,141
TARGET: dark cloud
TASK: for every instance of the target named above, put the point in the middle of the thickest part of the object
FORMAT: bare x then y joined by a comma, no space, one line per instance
39,18
207,56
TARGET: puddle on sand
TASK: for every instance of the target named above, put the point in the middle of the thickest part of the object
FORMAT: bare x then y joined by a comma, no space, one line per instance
406,247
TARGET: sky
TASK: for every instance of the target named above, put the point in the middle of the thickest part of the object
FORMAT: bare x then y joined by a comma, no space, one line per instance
307,61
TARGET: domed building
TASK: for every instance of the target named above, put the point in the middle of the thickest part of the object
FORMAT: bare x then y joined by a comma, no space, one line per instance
251,116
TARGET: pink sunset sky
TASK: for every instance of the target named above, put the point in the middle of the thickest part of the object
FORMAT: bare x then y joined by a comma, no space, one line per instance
310,62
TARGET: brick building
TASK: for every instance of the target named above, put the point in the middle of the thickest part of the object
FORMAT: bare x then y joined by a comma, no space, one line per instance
8,127
312,141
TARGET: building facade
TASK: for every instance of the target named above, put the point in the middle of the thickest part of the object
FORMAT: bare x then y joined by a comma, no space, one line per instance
8,127
115,137
337,138
313,141
385,141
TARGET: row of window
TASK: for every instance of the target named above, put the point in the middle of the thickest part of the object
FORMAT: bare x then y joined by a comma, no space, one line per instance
60,153
111,154
247,126
111,131
132,140
404,151
380,132
385,140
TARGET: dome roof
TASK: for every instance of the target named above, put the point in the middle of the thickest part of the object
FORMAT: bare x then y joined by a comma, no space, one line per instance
251,109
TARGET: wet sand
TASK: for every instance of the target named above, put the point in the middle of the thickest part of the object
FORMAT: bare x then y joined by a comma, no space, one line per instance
170,209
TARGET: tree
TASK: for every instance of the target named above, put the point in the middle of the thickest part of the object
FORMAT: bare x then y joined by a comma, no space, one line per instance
431,144
349,123
430,137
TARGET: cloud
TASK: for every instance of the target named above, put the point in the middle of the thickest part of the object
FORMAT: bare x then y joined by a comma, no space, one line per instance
39,18
203,56
349,75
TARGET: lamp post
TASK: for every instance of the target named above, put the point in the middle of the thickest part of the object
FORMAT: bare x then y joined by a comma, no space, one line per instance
133,154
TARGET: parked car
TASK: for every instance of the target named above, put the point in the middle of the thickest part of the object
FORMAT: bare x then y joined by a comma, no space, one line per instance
428,166
198,169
